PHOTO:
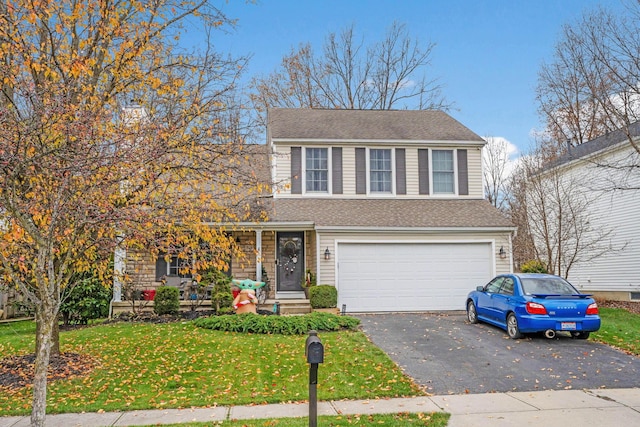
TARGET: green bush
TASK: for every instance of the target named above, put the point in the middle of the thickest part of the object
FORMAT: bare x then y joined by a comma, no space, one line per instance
167,300
87,300
534,266
285,325
221,296
323,296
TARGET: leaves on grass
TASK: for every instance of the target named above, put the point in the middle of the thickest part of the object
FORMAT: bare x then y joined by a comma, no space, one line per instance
18,371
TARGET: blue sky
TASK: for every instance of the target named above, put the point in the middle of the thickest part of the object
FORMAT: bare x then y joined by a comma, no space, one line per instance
487,52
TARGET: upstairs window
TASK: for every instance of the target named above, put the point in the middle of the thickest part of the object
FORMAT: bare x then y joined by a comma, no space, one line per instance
317,170
443,173
380,170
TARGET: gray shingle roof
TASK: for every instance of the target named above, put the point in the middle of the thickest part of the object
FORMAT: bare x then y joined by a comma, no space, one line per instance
389,213
376,125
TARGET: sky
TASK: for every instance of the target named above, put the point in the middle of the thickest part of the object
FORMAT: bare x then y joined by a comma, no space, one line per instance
487,52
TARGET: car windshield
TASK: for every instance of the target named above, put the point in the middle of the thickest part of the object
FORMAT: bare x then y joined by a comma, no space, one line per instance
547,286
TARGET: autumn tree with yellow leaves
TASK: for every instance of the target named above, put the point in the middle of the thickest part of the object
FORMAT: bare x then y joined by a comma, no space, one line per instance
111,133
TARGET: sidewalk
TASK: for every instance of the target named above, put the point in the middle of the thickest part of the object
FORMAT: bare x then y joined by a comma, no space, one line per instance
566,408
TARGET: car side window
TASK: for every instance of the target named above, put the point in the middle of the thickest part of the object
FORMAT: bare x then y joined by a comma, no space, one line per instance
507,286
493,287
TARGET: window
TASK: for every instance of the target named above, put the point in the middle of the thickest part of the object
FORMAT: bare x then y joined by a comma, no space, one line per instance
494,286
317,169
176,266
443,178
380,171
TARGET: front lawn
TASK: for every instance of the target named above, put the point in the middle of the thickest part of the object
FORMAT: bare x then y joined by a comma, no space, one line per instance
176,365
620,329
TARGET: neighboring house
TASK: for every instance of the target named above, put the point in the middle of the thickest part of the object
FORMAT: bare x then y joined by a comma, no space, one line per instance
387,206
604,171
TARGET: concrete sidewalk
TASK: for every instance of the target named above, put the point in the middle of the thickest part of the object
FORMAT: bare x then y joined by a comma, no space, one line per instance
566,408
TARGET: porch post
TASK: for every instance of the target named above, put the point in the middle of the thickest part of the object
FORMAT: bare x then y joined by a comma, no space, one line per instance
259,255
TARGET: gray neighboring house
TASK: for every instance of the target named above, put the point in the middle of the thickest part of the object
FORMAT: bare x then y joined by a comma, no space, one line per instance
387,206
614,194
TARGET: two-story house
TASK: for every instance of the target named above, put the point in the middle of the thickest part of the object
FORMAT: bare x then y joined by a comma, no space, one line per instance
387,206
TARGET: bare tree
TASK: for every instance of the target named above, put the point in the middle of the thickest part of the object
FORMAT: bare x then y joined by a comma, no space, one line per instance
592,86
385,75
551,209
495,170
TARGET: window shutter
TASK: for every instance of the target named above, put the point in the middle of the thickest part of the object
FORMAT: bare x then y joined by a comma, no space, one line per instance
161,268
401,172
463,173
336,170
361,171
296,170
423,171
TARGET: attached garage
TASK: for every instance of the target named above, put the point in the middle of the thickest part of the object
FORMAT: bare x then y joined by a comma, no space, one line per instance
379,277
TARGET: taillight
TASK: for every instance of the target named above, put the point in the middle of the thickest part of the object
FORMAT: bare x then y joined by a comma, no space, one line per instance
592,309
535,308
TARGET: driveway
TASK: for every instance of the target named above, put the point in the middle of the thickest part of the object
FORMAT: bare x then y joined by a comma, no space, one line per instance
446,355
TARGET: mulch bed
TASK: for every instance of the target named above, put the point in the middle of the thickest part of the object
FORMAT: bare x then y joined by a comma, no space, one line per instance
631,306
18,371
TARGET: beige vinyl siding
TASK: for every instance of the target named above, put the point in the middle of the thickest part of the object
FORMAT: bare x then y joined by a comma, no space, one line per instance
474,166
327,269
348,171
411,165
282,159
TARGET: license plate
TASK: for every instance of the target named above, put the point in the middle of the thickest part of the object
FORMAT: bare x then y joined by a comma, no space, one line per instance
568,326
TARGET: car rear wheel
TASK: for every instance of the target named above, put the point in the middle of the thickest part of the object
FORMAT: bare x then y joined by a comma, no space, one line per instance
580,335
512,327
472,313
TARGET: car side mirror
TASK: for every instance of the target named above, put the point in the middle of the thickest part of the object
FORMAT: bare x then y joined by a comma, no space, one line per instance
480,288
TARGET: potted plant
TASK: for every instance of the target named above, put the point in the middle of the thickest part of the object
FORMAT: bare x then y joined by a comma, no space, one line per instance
308,281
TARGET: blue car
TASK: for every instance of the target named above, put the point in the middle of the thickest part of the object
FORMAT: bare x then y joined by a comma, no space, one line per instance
532,303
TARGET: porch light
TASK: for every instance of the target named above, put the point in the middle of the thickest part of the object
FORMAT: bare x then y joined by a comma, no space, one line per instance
502,252
327,254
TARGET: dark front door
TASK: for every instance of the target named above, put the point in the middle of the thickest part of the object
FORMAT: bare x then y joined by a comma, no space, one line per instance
290,261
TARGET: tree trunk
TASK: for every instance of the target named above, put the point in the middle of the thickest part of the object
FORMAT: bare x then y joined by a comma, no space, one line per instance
55,338
45,321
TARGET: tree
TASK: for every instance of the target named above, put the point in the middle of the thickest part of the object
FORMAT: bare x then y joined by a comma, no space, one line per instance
495,170
108,129
385,75
592,85
550,208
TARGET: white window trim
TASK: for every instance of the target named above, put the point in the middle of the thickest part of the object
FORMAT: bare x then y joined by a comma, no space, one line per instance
455,172
329,173
393,173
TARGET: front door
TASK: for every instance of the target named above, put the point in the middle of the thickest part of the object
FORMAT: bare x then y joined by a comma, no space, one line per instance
290,261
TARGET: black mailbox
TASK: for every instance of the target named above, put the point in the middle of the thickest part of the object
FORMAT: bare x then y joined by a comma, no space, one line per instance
314,350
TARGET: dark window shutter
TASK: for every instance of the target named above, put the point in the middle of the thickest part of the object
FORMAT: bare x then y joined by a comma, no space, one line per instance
401,171
296,170
161,268
463,173
423,171
336,170
361,171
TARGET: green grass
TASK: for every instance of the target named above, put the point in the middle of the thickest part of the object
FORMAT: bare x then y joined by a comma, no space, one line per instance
396,420
177,365
620,329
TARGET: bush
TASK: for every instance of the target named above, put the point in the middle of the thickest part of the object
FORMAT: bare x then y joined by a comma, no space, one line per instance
167,300
88,300
285,325
220,283
534,266
323,296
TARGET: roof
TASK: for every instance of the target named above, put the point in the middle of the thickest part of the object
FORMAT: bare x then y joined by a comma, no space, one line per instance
392,213
376,125
602,142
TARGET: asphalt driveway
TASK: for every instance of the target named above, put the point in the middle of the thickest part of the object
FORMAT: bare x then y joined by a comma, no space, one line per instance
447,355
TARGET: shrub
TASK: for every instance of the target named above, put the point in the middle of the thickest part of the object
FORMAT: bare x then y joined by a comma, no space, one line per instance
87,300
167,300
323,296
220,283
534,266
285,325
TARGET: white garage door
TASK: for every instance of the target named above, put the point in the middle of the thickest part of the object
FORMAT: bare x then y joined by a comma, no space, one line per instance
410,277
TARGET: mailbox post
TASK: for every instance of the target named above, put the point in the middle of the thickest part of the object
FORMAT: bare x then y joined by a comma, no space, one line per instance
314,351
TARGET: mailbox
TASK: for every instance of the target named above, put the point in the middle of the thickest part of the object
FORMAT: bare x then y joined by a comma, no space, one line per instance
314,350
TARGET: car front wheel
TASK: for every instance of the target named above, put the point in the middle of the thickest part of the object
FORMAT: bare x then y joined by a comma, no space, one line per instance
580,335
512,327
472,314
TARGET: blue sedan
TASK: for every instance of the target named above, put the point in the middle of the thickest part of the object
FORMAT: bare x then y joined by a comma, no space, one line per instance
531,303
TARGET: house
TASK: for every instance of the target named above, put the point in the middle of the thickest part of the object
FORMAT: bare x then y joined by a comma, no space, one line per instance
604,172
387,206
